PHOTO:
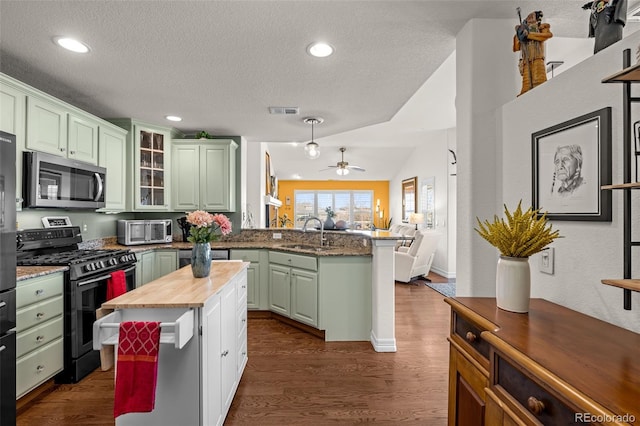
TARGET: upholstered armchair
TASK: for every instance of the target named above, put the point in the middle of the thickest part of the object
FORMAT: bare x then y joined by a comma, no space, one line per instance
405,232
415,260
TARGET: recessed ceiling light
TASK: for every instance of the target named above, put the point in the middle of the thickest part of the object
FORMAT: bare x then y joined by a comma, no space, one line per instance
320,49
71,44
173,118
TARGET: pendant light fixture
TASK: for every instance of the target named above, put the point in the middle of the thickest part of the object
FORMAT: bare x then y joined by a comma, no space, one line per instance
312,149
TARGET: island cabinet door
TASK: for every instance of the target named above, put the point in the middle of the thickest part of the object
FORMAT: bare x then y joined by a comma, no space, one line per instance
211,362
229,339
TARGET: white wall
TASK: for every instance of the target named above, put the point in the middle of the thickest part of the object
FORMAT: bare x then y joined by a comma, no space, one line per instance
430,158
589,251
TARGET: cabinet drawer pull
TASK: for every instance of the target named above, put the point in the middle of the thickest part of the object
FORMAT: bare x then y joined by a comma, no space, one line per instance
244,353
244,320
40,315
2,348
39,291
3,304
39,369
62,150
72,152
471,337
225,353
535,405
39,339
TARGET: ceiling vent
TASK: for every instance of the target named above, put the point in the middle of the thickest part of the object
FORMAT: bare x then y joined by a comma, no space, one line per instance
284,110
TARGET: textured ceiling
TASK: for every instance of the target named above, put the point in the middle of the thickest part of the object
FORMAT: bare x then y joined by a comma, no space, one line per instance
221,64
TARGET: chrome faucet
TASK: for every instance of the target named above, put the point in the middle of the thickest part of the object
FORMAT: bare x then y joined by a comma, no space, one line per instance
304,227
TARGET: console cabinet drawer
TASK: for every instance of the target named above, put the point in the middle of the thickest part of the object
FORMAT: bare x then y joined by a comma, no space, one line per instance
471,335
39,336
38,313
528,398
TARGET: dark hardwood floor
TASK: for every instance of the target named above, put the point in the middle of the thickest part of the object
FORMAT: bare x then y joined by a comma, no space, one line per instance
294,378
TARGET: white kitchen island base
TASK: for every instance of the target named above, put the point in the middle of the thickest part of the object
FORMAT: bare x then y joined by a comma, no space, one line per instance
197,381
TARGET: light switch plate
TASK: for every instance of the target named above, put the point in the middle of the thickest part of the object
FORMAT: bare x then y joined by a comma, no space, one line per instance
546,260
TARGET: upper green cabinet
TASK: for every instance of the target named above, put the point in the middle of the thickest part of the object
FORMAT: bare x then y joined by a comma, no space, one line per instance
112,155
149,165
204,175
46,126
82,140
52,128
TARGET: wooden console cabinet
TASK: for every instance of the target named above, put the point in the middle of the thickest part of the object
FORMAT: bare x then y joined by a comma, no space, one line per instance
552,366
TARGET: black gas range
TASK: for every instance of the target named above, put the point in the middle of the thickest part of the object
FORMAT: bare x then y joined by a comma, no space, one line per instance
85,287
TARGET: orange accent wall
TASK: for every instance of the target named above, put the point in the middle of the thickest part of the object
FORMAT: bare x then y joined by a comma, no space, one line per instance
380,190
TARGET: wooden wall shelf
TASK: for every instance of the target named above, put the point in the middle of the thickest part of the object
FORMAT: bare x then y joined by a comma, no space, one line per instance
630,74
632,185
630,284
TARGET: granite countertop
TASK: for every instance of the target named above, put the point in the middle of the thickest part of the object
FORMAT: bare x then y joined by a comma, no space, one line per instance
27,272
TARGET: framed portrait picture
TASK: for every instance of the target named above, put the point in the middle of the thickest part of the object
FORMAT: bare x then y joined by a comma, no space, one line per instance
570,163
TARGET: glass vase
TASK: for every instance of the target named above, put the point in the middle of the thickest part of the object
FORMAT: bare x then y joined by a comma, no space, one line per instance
201,260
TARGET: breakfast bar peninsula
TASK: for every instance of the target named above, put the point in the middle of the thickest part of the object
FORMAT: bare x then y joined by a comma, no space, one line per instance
203,341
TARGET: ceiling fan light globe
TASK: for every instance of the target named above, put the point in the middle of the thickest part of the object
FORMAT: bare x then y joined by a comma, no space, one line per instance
312,150
342,172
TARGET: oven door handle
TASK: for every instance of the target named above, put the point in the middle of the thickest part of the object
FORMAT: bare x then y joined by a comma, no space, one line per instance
102,278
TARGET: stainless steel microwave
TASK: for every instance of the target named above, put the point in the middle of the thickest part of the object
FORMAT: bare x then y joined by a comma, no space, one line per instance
132,232
57,182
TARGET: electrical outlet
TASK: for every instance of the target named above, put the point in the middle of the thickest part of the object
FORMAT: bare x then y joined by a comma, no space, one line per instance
277,235
85,228
546,260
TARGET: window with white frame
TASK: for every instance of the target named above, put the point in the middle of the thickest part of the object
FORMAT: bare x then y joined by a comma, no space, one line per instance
354,207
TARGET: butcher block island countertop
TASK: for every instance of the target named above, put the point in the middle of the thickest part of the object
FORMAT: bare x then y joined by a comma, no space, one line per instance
179,289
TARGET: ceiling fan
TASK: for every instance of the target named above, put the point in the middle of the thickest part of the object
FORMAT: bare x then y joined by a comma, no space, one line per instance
343,167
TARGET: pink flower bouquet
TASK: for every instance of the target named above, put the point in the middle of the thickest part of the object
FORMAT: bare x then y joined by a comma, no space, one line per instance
206,226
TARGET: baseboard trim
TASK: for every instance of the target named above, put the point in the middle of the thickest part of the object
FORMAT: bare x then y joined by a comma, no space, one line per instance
29,398
383,345
446,274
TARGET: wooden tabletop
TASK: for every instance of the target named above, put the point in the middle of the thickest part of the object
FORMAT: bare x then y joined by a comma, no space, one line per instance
599,359
179,289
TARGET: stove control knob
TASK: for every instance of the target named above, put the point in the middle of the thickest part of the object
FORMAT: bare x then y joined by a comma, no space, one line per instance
113,261
87,267
123,258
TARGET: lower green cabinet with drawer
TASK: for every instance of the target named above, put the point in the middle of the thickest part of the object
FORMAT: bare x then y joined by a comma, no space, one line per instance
256,280
293,286
39,331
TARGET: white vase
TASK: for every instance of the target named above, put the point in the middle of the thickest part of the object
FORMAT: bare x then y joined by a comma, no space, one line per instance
513,284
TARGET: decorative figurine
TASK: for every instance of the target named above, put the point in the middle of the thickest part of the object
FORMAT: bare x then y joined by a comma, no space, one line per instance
606,21
529,40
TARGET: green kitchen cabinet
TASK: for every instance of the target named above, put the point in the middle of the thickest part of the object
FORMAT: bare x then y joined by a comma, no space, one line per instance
46,126
166,262
148,164
112,155
13,103
204,175
293,286
82,138
256,276
39,331
155,264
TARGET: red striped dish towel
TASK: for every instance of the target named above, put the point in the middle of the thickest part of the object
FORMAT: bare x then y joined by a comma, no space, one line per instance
116,284
137,369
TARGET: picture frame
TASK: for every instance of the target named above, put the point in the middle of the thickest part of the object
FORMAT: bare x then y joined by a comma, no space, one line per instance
409,197
571,161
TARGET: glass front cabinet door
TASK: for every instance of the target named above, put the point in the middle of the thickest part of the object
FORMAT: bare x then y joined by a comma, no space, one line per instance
152,162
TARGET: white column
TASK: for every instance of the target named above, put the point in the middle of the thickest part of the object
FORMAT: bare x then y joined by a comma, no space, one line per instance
383,336
486,78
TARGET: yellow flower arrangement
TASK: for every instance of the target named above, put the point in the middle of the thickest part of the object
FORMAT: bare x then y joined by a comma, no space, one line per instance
522,235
